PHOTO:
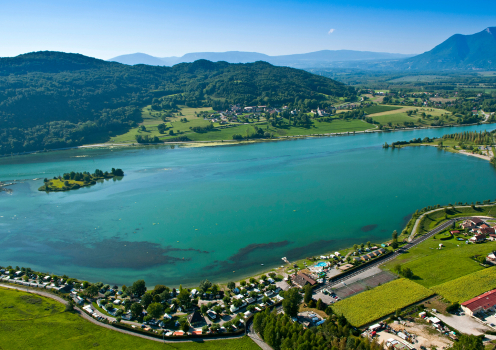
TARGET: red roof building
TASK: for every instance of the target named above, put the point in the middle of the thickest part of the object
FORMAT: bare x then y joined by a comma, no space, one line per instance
484,302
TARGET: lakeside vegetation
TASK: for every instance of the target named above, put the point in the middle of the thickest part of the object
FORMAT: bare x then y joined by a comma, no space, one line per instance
75,180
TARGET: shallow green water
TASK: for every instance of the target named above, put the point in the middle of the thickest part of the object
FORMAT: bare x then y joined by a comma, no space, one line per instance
181,215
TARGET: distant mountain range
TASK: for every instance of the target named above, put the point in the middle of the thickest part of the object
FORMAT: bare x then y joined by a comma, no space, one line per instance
476,51
312,59
463,52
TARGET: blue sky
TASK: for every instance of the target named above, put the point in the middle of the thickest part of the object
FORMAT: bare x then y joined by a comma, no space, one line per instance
105,29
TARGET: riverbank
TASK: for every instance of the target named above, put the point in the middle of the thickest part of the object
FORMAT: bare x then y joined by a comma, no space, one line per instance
215,143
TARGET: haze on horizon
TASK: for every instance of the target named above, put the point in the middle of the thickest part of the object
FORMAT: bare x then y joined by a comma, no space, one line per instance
170,28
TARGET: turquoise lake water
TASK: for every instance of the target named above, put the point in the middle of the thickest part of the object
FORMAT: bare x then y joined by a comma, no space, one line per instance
181,215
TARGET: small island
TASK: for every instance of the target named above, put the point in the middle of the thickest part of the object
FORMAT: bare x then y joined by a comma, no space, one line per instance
73,180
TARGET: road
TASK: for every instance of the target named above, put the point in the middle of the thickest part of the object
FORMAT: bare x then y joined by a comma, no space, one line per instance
415,227
408,246
144,336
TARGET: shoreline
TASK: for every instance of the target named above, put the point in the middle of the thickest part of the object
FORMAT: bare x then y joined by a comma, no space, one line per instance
214,143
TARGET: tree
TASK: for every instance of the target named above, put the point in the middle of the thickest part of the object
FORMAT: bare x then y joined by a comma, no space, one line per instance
184,298
369,244
469,342
231,285
291,302
146,300
214,289
242,283
139,288
205,329
92,291
69,306
205,285
395,235
308,293
159,288
407,272
155,310
136,310
184,325
320,304
203,309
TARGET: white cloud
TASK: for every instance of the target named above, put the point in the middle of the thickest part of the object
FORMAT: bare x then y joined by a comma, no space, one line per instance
331,31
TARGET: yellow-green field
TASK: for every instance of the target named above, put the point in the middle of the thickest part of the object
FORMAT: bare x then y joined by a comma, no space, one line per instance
29,321
381,301
469,286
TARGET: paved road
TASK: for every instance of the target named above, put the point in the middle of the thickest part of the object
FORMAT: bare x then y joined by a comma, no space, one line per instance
144,336
395,254
415,227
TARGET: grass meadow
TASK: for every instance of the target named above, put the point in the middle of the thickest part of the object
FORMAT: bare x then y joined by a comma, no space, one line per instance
28,321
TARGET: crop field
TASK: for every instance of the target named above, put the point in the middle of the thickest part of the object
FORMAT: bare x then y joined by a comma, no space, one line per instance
29,321
381,301
379,109
469,286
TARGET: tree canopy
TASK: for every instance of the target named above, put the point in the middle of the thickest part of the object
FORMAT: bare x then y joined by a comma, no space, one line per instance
55,99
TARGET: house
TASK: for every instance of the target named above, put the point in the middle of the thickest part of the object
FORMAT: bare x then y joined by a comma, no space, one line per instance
478,239
491,256
194,319
382,251
302,279
485,230
491,237
365,258
484,302
472,223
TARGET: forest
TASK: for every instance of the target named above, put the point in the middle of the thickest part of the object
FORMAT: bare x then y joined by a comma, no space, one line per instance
53,100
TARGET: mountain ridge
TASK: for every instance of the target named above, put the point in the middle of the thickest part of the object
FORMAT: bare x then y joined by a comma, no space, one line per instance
303,60
473,51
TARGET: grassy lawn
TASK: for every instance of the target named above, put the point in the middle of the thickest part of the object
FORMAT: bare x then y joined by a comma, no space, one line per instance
380,108
33,322
469,286
380,301
432,266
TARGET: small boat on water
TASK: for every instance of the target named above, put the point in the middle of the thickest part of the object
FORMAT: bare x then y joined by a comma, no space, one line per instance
261,264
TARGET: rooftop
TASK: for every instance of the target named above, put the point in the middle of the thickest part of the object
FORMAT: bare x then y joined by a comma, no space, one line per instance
486,301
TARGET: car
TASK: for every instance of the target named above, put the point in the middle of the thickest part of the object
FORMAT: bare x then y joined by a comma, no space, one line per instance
491,324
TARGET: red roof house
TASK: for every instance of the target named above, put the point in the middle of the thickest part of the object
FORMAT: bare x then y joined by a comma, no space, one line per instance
484,302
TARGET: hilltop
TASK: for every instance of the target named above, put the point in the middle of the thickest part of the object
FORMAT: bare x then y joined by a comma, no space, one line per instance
55,99
476,51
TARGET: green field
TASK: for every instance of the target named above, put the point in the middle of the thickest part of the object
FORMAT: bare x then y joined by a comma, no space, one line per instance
379,109
397,118
373,304
225,132
32,322
469,286
432,266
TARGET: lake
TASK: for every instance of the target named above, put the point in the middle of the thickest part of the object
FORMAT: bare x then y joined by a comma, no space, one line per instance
180,215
